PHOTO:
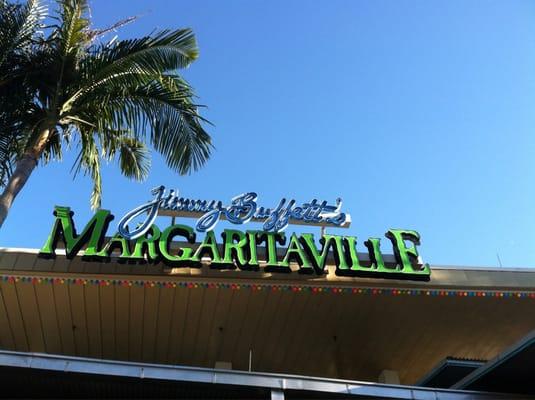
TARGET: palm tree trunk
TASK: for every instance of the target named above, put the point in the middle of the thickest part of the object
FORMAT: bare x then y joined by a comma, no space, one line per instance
23,169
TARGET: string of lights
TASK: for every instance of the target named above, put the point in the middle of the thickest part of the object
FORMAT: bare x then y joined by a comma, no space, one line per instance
149,283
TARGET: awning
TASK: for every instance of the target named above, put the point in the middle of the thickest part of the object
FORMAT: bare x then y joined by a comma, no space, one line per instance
336,327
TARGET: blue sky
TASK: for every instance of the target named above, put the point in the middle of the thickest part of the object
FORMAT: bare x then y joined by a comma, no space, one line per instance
419,114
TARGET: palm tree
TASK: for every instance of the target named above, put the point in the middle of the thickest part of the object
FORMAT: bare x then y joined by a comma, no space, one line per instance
111,99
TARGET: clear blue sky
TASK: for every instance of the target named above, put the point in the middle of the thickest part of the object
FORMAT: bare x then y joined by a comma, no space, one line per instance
419,114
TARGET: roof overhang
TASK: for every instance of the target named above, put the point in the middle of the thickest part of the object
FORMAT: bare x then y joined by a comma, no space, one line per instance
329,326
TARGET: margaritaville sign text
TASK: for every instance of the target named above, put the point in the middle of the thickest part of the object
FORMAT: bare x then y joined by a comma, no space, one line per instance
237,248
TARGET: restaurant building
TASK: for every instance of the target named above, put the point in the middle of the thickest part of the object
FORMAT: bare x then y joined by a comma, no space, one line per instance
77,321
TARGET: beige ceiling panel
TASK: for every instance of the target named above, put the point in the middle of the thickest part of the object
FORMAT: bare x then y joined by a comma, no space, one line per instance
186,353
151,312
206,318
93,318
301,337
233,325
135,329
108,321
217,327
178,319
25,296
163,327
7,337
62,305
44,295
251,318
76,294
122,322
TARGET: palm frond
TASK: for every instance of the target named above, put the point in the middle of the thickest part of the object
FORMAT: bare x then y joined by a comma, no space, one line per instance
7,143
53,148
162,110
135,59
18,26
134,159
162,51
72,33
88,162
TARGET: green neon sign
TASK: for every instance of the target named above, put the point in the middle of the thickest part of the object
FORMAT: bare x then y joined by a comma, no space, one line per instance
237,249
